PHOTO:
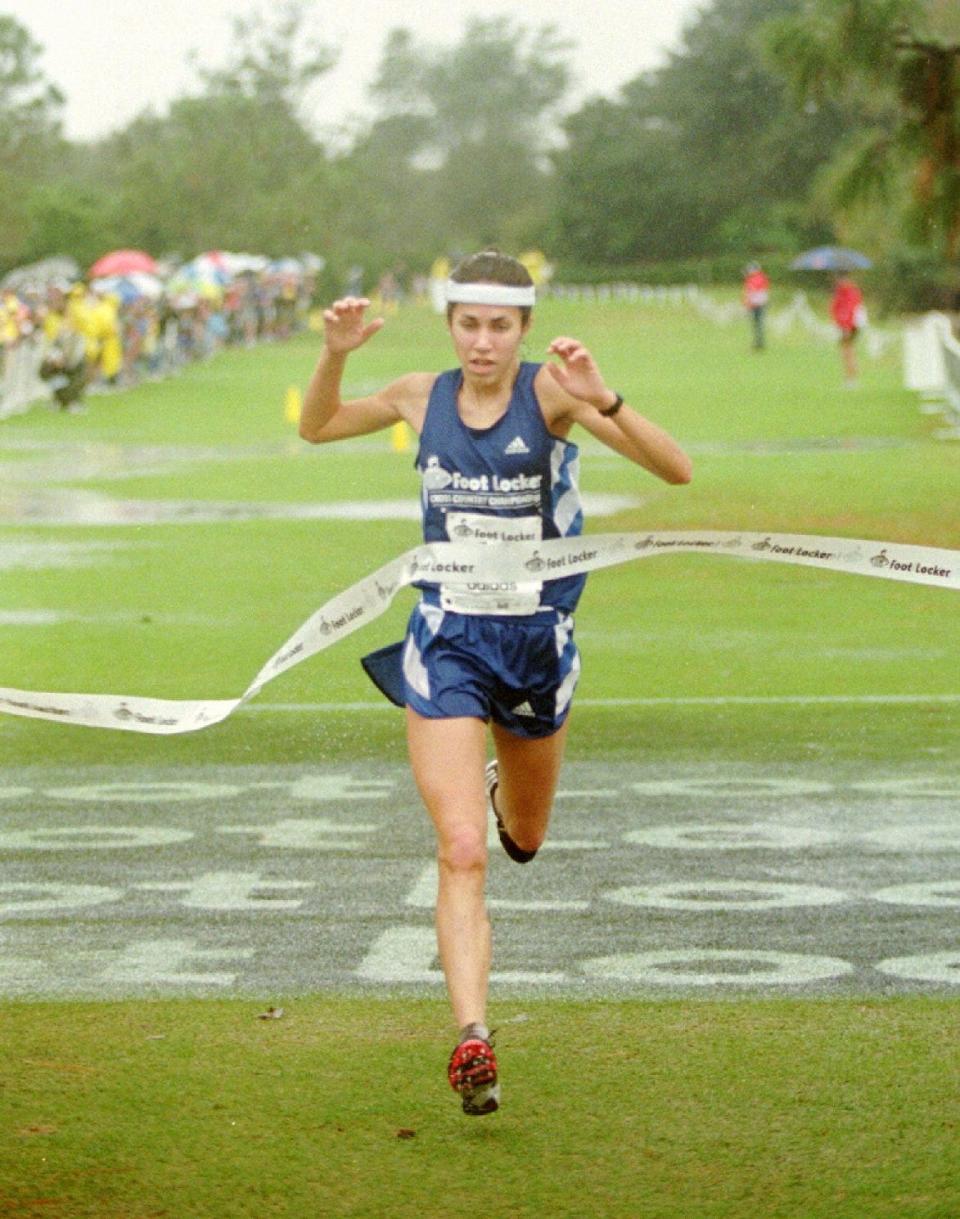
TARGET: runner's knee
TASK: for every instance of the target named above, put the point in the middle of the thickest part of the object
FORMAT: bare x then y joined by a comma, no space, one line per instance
463,851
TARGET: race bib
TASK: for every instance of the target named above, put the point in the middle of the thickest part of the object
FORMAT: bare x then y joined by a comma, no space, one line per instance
506,597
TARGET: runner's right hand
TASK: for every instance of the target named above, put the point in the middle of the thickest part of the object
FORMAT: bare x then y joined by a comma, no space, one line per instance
344,327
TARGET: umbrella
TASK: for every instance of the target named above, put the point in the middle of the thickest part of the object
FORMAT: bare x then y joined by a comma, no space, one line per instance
286,266
210,267
123,262
59,270
135,286
831,258
244,264
204,269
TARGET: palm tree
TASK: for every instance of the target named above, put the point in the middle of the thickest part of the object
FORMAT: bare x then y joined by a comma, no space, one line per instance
900,61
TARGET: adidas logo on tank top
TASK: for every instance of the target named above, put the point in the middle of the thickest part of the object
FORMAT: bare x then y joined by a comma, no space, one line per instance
517,445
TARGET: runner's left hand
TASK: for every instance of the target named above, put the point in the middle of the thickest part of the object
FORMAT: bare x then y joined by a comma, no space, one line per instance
577,372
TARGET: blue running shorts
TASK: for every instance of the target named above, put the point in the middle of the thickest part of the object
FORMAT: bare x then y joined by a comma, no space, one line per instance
518,671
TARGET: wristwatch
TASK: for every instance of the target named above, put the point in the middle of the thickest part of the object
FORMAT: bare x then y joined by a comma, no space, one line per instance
612,410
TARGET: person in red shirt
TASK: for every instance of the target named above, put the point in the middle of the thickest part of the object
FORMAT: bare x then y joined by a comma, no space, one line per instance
756,294
848,313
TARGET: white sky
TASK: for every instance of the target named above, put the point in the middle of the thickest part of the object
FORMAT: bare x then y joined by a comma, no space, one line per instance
115,58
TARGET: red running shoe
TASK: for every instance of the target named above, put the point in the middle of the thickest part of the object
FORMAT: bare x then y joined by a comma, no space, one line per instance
473,1073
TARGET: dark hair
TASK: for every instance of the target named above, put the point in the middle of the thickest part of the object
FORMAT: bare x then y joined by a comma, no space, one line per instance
492,267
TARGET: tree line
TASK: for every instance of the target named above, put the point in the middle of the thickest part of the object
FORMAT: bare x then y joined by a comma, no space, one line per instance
775,125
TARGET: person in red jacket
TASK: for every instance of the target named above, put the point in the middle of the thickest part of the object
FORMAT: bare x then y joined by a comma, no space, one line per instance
849,315
756,294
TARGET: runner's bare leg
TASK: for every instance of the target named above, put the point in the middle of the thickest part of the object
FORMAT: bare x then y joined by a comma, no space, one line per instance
527,783
447,757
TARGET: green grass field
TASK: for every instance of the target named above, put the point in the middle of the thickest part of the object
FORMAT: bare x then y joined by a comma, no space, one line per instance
769,1109
669,1110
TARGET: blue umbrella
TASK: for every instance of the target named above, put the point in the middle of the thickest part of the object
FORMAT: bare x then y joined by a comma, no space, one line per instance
135,286
831,258
205,269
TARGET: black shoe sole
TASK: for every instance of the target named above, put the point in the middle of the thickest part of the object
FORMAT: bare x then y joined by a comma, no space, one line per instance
516,853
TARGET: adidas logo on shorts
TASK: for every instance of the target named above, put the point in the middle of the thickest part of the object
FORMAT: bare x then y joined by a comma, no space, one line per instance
524,709
516,445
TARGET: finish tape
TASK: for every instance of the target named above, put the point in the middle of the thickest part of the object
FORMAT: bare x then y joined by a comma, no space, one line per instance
468,563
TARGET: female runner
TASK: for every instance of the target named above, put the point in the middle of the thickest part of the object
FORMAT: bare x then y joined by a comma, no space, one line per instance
496,466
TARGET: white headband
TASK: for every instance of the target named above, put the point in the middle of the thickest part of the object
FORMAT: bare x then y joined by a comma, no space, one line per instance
489,294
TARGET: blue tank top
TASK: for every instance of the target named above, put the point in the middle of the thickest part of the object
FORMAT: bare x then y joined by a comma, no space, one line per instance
513,481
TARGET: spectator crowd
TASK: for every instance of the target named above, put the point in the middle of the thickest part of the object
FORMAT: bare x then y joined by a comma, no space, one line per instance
64,335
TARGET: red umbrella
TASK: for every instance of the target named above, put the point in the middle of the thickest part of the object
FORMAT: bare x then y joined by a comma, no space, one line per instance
123,262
